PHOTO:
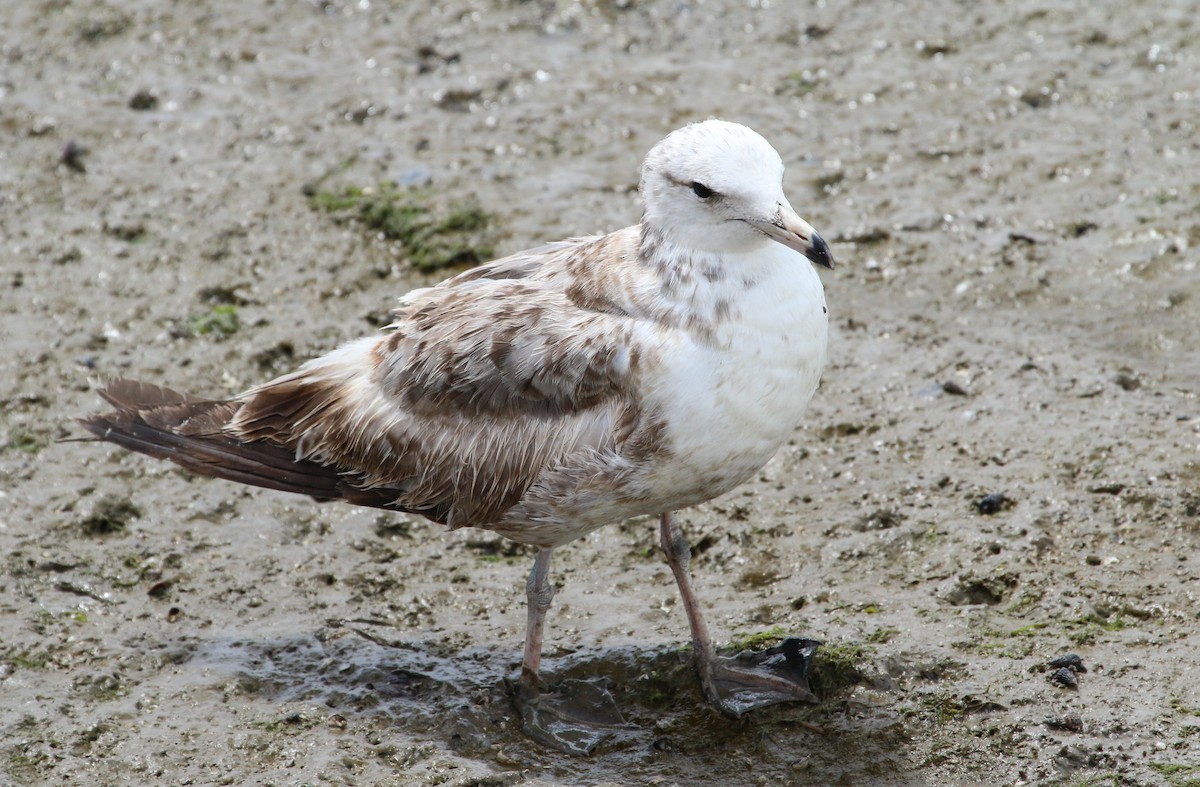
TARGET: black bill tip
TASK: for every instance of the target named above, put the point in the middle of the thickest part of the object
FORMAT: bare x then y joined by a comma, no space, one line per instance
818,252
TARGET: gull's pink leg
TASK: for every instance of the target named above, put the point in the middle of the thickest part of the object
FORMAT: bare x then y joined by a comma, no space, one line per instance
748,681
540,594
575,716
679,558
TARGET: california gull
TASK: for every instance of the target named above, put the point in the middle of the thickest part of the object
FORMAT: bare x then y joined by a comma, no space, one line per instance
557,390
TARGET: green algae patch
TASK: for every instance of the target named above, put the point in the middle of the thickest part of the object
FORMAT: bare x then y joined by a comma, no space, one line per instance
1178,774
24,441
882,635
836,667
434,236
758,640
222,320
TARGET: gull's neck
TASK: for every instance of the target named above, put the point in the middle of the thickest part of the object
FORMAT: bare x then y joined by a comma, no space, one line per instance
683,268
695,288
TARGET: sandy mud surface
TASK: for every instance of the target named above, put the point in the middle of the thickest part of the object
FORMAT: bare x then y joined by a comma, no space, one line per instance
1002,465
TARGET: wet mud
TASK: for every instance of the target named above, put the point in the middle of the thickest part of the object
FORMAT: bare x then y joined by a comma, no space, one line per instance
1002,466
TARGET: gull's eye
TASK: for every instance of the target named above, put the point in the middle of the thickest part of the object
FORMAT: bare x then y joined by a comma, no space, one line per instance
701,191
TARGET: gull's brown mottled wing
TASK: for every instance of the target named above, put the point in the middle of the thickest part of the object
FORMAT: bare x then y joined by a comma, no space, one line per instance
480,385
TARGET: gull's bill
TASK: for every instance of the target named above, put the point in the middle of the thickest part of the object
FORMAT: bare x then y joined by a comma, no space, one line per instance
794,232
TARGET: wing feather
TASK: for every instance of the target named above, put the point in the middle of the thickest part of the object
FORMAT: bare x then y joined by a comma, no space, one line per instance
479,386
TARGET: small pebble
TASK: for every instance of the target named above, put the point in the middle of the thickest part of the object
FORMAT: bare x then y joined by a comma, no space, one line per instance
1127,382
1071,661
1063,676
992,503
143,100
1069,723
72,156
159,589
954,389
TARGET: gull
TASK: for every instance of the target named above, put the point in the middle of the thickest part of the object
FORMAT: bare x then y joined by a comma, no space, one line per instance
555,391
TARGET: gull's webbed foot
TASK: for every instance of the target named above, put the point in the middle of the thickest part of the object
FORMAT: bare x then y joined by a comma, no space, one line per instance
575,717
749,680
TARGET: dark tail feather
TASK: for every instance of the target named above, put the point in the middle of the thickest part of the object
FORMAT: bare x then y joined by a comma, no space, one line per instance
190,432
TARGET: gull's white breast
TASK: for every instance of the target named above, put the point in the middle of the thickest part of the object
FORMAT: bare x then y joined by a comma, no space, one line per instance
730,404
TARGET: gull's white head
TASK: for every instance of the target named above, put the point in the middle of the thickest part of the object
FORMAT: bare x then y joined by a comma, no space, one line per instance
718,187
